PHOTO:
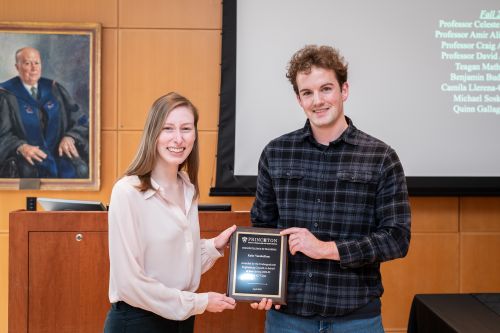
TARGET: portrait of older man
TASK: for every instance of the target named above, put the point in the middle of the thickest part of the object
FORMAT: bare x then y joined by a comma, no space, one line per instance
43,131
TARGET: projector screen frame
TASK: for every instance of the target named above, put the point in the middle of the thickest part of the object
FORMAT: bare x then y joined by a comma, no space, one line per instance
229,184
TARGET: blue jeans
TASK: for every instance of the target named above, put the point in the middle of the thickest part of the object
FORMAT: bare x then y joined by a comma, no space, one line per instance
278,322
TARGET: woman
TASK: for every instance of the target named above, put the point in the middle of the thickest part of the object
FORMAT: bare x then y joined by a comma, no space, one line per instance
156,254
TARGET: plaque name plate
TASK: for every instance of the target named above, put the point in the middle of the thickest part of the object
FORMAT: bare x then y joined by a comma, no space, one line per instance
258,265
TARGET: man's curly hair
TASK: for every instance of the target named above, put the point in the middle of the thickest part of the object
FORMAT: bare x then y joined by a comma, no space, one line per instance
319,56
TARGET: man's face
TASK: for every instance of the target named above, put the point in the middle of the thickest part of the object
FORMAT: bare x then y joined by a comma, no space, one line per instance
321,97
29,66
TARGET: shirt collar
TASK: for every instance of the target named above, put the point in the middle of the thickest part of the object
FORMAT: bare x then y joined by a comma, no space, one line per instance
28,87
350,135
188,187
151,191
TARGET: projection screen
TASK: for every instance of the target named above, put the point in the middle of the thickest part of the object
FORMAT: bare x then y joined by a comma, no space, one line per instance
424,77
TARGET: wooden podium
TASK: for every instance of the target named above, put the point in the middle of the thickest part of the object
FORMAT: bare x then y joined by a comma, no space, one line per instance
59,274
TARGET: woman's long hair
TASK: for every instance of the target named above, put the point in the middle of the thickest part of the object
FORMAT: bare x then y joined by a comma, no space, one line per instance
146,155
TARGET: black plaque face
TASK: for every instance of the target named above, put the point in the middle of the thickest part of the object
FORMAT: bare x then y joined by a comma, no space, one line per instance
258,265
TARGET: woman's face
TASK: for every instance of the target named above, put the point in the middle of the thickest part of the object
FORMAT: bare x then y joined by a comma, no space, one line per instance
177,136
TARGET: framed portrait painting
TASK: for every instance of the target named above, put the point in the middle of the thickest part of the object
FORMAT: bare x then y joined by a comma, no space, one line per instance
50,106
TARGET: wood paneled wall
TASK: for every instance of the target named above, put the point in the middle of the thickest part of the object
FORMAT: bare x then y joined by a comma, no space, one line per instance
155,46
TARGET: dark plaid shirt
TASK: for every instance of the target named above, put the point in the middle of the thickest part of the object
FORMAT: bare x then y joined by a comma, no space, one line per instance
353,192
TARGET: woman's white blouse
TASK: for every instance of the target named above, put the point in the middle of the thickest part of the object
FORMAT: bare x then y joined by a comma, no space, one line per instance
155,251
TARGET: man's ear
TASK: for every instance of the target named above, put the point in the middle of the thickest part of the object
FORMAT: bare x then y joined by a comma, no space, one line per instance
345,91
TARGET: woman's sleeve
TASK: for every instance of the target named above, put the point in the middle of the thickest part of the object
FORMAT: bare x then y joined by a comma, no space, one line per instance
209,254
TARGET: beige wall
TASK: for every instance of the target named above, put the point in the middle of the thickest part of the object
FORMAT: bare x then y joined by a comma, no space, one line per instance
454,249
155,46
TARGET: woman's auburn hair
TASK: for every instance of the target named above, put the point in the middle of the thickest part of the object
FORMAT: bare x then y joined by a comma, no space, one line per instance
147,154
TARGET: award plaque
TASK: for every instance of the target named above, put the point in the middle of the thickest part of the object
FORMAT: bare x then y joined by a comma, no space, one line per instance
258,265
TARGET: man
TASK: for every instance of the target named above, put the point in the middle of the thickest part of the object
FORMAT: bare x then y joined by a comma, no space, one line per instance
43,133
340,194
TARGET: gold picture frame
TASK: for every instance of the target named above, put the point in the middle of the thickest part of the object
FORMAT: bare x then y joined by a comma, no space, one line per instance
67,105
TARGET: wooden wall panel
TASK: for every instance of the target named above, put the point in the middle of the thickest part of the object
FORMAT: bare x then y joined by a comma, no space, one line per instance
98,11
192,14
240,203
109,164
4,280
109,85
479,264
208,151
434,214
128,142
480,214
154,62
9,201
431,266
